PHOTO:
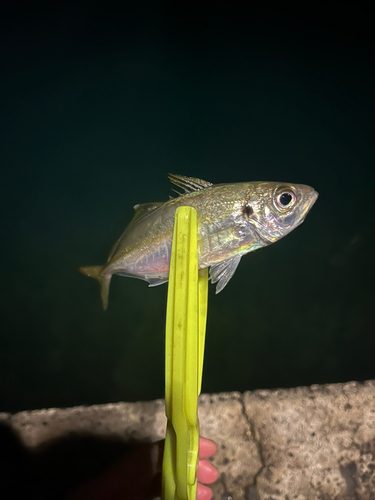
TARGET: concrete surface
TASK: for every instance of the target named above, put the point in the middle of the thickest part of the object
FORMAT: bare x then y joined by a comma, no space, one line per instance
308,443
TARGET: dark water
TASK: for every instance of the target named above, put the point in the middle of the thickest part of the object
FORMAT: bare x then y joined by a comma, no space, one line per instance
96,107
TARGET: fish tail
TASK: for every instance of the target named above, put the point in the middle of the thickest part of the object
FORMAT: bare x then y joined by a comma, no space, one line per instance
104,281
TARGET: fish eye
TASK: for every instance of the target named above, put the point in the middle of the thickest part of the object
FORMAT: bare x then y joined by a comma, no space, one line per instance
285,199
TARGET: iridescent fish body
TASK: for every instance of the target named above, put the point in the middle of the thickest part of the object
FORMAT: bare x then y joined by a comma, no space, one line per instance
233,219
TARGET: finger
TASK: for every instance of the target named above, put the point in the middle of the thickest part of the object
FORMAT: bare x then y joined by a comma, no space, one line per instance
207,473
203,492
207,448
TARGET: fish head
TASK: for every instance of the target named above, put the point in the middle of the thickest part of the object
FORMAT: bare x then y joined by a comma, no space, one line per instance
278,208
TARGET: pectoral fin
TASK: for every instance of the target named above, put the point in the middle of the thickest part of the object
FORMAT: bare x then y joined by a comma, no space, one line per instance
222,272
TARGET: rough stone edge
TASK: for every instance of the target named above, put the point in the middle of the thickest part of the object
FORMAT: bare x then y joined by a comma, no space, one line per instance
218,413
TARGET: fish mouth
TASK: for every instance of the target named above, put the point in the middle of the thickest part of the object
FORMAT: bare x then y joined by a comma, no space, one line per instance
314,197
308,205
311,198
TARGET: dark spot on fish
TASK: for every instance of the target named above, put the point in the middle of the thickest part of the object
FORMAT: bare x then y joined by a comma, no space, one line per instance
247,210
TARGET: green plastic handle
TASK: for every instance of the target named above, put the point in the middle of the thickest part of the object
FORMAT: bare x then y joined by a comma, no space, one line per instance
184,352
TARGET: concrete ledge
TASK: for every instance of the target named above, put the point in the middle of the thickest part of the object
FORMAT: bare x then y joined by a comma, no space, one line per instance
308,443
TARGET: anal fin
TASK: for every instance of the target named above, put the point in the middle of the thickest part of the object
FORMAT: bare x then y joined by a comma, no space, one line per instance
156,281
151,281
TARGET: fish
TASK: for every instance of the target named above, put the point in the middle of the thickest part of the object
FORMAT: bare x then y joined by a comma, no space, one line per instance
233,220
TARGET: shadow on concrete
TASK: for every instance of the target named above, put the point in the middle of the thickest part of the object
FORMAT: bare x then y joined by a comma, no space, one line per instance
77,466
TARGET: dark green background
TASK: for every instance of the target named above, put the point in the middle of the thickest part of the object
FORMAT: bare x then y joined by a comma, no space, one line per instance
97,105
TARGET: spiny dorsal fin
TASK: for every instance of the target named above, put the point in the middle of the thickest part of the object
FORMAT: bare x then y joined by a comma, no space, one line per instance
188,184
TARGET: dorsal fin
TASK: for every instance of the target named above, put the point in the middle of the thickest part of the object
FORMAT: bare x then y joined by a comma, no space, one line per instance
142,208
141,211
188,184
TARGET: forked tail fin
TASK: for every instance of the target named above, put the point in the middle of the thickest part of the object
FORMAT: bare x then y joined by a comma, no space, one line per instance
104,281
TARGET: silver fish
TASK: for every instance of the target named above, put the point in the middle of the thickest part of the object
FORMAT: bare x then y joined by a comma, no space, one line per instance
233,219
